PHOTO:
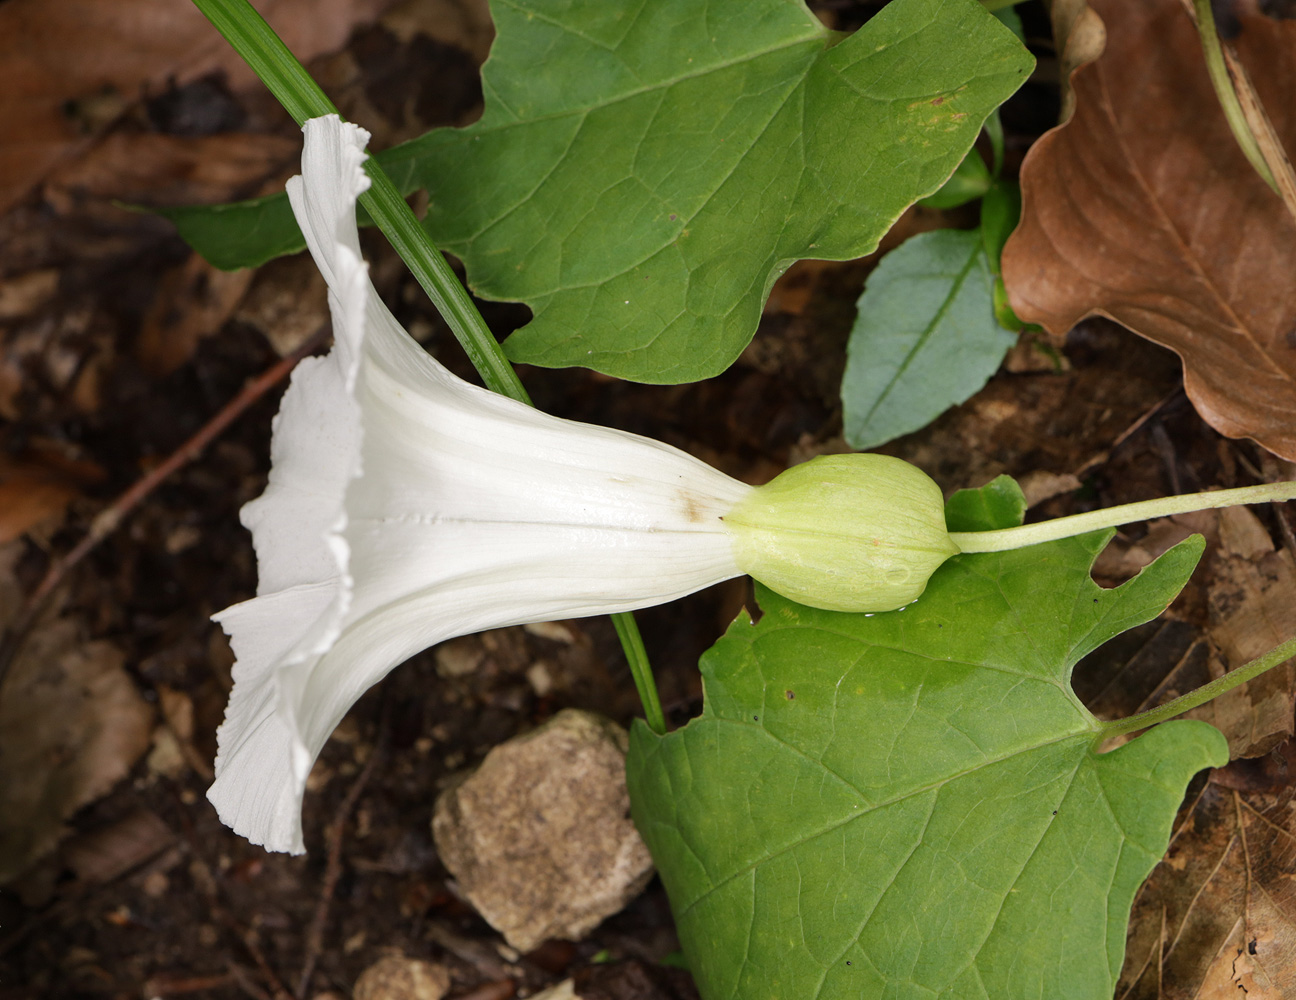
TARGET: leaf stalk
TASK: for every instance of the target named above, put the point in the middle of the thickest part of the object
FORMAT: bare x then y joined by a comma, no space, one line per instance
1275,657
640,670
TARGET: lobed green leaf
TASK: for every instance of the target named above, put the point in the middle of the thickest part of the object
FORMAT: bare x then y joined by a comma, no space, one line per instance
643,172
911,804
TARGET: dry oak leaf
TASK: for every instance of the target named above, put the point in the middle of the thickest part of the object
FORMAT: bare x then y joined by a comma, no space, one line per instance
1143,209
72,724
1217,918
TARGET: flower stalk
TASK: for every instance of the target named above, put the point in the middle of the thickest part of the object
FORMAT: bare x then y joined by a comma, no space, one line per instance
1077,524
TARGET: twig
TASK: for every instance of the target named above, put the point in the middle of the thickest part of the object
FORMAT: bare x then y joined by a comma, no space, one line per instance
245,982
207,885
500,989
333,867
107,520
487,963
1285,528
162,986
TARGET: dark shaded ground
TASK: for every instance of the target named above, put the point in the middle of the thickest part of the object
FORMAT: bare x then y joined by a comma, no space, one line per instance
150,895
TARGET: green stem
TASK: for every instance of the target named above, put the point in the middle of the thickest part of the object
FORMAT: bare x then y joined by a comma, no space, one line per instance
640,670
1228,98
301,96
402,229
1278,655
1077,524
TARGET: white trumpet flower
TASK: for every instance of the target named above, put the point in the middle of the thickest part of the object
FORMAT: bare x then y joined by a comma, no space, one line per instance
406,507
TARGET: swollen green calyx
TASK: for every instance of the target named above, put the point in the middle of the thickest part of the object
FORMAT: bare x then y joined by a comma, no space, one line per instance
844,532
866,532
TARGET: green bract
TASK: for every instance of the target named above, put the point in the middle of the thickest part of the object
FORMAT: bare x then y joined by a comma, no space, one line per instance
844,532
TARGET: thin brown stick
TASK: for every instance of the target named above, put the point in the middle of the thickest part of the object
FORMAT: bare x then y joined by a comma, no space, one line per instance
333,867
164,986
500,989
207,885
1266,136
243,978
107,521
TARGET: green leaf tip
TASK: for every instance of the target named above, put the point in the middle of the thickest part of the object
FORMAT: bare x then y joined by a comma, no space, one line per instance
924,338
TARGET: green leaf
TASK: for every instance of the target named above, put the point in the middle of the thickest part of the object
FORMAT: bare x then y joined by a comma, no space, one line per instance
643,172
1000,503
668,185
910,805
1000,213
971,179
1012,20
925,337
1003,310
239,234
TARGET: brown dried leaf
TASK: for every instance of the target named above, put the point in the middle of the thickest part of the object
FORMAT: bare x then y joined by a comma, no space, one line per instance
104,854
1252,599
1079,36
25,293
37,486
162,170
72,724
70,67
1142,208
193,301
1217,917
288,302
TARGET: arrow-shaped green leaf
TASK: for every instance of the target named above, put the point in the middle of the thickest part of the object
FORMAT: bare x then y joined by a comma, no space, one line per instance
911,804
643,171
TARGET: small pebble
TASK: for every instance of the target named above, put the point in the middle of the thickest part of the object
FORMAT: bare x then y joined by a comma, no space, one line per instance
396,977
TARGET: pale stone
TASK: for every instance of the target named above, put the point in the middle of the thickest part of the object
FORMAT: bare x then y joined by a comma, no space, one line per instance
396,977
539,838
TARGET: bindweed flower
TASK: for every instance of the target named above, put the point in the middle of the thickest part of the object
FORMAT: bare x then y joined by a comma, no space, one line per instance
405,507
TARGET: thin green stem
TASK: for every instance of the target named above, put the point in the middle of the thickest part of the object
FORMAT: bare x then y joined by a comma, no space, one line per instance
1276,656
263,50
640,670
1077,524
301,96
402,228
1222,81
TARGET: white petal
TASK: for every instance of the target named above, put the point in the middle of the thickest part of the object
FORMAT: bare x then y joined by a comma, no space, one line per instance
406,506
